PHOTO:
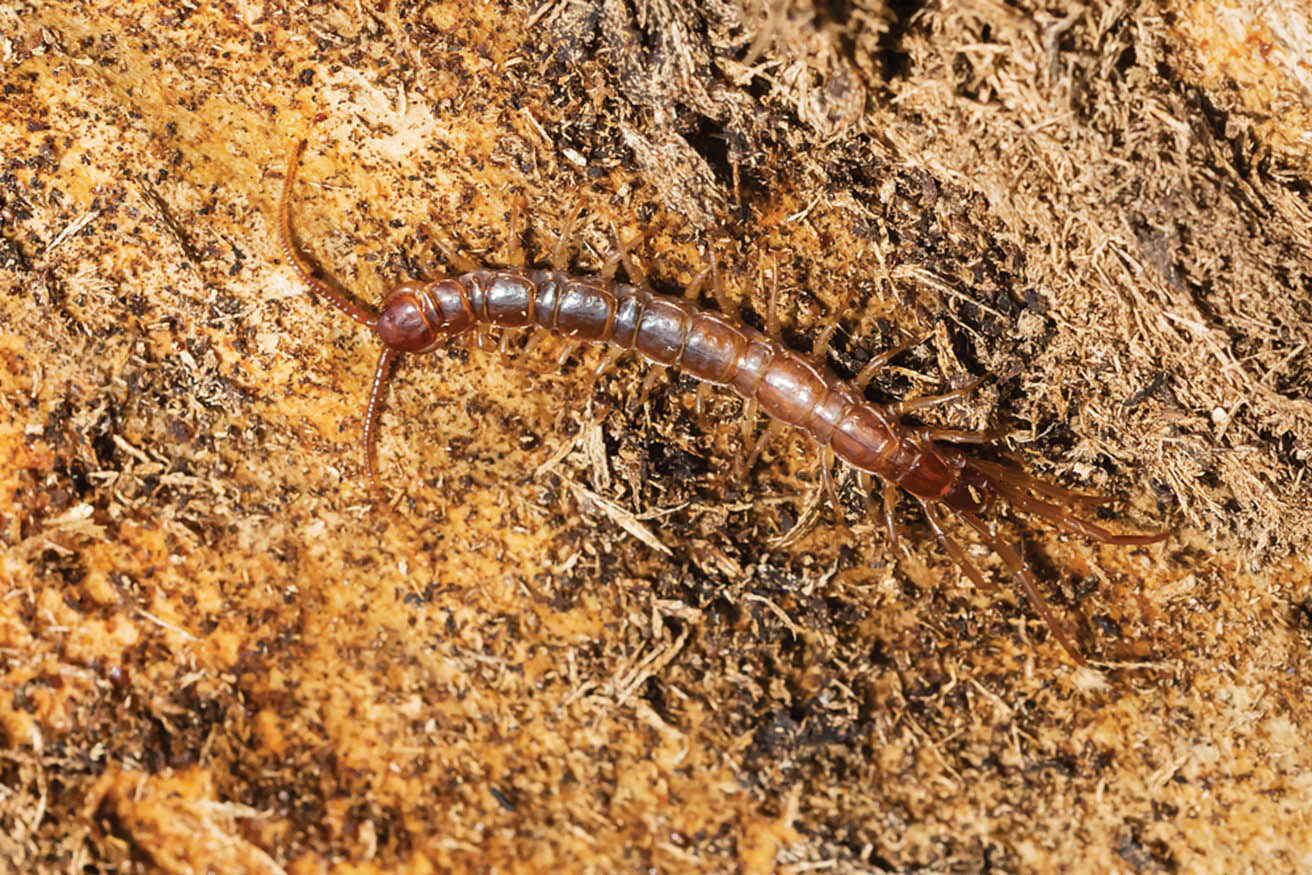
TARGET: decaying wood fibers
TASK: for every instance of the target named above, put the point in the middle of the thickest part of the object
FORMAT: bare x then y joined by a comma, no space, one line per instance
581,640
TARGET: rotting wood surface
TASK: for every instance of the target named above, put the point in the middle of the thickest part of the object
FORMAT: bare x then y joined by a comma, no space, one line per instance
581,641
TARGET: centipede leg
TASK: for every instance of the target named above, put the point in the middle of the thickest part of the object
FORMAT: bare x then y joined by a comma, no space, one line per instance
570,348
903,407
515,240
772,308
867,373
717,286
503,345
749,429
827,475
565,242
820,346
456,262
613,355
694,287
957,436
376,392
954,549
890,518
774,429
653,375
612,262
1021,573
863,480
535,340
703,392
621,255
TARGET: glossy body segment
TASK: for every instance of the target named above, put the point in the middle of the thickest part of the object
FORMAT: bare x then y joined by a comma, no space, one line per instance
791,388
785,384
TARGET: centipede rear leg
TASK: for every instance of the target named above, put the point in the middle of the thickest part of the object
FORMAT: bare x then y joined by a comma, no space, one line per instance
1024,576
881,361
901,408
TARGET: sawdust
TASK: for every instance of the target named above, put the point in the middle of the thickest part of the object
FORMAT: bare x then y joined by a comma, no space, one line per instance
579,639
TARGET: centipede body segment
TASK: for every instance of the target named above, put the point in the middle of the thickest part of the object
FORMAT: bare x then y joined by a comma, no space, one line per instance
791,388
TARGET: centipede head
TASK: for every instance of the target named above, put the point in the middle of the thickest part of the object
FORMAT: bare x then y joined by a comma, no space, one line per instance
416,317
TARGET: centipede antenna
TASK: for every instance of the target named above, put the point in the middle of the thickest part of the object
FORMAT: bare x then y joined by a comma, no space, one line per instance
1070,522
302,265
372,412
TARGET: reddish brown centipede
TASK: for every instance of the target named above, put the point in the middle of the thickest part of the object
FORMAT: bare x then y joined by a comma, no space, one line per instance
793,389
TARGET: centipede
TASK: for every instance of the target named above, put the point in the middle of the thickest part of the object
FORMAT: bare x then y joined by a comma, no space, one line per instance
936,467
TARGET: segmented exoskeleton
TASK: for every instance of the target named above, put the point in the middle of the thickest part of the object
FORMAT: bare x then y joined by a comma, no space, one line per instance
792,388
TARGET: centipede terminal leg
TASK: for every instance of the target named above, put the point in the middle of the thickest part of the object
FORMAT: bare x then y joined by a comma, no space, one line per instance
1065,519
1016,477
1022,574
